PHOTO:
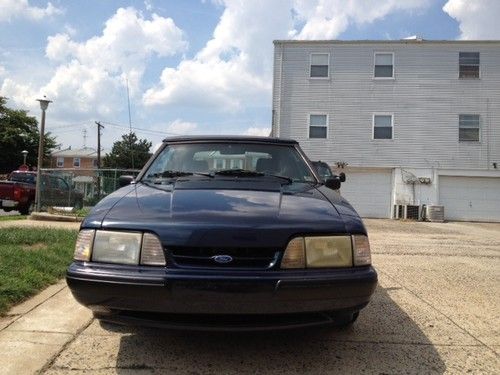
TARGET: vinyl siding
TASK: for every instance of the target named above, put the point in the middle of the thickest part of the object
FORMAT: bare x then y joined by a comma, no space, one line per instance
426,97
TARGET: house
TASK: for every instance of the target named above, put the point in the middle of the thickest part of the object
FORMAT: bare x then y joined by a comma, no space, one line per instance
410,122
79,165
80,158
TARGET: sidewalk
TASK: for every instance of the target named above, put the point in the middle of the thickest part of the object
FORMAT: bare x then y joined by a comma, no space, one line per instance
36,331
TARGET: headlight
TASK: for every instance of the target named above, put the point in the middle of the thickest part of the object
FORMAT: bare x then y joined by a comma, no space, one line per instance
334,251
361,249
116,247
83,246
119,247
327,251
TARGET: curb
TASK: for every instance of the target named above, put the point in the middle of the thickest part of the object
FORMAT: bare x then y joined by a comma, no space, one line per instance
42,216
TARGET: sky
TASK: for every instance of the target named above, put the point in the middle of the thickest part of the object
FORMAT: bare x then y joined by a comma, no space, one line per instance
190,66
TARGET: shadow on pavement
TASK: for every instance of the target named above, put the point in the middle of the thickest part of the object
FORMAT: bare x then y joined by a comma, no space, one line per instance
383,340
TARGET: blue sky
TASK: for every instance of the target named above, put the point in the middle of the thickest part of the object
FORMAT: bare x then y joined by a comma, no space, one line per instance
192,66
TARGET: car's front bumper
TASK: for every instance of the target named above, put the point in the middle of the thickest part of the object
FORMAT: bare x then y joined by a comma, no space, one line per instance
143,295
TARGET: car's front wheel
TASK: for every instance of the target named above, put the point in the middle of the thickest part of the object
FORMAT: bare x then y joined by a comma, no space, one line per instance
28,209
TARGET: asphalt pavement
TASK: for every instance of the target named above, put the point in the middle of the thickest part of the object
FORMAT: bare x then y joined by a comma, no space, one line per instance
436,310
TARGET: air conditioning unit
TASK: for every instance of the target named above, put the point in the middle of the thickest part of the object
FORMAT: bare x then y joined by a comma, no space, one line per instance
434,213
407,212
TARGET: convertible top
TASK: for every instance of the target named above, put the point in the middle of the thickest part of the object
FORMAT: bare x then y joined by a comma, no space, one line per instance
228,138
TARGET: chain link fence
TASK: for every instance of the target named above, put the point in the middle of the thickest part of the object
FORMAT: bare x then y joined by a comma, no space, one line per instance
78,188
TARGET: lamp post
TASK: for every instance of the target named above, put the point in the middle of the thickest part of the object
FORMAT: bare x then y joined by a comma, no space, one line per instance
44,104
25,153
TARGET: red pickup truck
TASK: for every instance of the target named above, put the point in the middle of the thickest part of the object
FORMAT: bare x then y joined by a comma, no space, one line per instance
18,192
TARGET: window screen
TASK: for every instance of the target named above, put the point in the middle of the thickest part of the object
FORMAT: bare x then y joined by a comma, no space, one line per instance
384,65
382,127
468,128
469,64
317,126
319,65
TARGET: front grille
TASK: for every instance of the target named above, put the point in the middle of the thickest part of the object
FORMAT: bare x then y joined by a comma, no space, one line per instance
210,257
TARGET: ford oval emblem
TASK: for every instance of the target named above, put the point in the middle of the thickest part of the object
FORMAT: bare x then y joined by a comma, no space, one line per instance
222,259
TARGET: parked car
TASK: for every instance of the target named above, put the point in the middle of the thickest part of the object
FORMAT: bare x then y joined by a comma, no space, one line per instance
324,171
231,233
18,192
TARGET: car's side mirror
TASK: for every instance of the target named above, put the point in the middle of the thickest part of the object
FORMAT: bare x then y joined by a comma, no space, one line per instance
333,183
125,180
342,177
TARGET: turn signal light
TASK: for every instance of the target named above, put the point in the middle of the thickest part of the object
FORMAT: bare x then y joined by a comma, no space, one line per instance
294,256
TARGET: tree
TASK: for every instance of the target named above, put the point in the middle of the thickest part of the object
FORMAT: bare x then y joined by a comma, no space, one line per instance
19,132
129,153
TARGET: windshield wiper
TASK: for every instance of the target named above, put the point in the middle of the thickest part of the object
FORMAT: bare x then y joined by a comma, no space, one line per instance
249,173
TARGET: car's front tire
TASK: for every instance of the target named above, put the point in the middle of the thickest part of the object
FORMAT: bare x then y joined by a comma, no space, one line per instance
28,209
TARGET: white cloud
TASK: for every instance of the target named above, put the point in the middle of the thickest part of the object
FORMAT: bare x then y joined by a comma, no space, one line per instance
89,76
20,8
327,19
234,69
264,132
3,72
478,19
179,127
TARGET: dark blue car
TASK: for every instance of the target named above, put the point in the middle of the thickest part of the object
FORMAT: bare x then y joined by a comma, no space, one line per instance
233,233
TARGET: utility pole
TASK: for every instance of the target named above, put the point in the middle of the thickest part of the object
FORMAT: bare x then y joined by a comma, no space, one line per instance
99,127
44,104
130,126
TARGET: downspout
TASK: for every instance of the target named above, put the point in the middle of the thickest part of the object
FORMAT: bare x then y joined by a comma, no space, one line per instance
488,124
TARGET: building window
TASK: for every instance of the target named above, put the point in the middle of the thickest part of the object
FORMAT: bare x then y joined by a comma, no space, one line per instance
319,65
382,127
469,64
60,162
384,65
76,162
468,128
94,163
318,126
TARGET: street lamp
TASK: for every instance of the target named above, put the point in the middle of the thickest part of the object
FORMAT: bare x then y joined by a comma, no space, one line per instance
25,153
44,104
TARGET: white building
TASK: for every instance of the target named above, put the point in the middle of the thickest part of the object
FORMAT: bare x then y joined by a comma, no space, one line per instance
417,122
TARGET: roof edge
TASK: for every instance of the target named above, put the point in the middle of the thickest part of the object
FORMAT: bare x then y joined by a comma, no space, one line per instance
374,41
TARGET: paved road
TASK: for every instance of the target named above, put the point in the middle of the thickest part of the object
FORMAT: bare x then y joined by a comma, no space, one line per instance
436,310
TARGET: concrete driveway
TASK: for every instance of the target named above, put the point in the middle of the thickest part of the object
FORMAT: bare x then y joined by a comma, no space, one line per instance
436,310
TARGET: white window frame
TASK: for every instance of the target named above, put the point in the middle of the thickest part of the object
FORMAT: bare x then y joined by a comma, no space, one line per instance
393,65
79,162
310,64
480,133
327,124
60,162
373,126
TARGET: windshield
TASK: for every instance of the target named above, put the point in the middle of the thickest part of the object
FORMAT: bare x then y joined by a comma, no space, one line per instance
249,160
29,178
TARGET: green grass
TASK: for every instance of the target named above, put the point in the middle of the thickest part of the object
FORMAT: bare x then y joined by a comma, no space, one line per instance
30,260
13,217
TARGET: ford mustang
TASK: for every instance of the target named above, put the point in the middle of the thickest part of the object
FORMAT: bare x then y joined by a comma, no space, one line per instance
215,233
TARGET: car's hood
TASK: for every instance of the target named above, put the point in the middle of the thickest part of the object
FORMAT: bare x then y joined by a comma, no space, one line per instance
214,212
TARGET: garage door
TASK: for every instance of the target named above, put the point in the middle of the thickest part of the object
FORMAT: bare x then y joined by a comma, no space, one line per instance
369,192
470,198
